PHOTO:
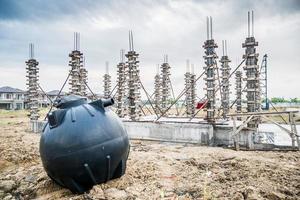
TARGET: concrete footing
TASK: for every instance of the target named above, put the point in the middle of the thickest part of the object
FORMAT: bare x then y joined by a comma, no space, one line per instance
195,133
172,132
37,126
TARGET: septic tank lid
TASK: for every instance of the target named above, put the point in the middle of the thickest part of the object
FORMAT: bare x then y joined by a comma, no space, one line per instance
69,101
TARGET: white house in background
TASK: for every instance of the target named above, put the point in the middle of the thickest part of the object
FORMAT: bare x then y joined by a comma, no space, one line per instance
16,99
11,98
53,95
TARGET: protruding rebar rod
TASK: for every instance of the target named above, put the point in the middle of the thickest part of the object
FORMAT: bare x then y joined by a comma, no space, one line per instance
132,41
192,68
78,43
223,47
226,48
187,65
252,23
248,24
207,27
107,67
74,37
129,37
211,35
31,51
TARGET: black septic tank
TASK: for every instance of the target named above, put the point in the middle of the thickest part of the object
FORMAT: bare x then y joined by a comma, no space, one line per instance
83,144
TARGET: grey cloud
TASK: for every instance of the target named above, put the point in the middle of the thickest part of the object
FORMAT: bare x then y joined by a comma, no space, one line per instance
173,27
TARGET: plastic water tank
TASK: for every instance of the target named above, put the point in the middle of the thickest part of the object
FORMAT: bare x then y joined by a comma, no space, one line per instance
83,144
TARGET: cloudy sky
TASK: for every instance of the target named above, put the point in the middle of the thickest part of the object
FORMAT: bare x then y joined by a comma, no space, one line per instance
176,28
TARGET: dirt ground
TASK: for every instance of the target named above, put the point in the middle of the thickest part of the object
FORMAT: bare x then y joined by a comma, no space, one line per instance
154,171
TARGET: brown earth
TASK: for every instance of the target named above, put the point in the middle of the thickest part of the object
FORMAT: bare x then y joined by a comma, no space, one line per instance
154,171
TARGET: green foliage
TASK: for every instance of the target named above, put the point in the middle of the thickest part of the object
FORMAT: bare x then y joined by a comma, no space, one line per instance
295,100
283,100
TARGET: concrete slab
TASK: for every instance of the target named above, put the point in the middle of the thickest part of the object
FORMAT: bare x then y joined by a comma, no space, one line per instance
172,132
179,130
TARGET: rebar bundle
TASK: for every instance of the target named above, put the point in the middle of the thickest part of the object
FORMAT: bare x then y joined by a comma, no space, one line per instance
210,72
165,83
252,75
225,73
238,88
32,82
121,86
134,95
190,92
157,91
78,72
107,82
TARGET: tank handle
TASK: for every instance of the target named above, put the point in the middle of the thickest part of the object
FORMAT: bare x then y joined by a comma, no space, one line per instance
102,103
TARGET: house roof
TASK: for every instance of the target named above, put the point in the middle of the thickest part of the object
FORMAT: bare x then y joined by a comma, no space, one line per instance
7,89
55,93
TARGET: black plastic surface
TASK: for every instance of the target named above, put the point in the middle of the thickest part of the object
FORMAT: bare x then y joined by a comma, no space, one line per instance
84,144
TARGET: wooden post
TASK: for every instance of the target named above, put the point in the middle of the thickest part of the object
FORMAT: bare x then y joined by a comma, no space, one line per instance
291,117
294,130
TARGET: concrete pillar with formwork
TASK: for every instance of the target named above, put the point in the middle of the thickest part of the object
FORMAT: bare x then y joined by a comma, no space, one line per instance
252,75
32,83
210,72
106,82
121,86
190,90
157,91
133,84
238,92
165,84
78,72
225,85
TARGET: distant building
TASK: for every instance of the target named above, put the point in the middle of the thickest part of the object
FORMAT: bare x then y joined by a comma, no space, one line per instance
16,99
11,98
53,94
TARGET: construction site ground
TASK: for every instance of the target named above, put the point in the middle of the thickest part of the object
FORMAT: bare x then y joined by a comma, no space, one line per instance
155,170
